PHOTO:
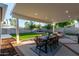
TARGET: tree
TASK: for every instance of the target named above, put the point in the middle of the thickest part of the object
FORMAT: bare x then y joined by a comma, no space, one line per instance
26,25
12,21
6,21
65,23
48,26
38,26
30,25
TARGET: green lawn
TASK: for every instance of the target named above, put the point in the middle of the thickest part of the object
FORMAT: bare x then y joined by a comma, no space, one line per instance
26,36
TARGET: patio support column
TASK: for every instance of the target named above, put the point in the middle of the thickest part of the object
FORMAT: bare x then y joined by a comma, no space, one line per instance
0,34
0,29
17,30
53,27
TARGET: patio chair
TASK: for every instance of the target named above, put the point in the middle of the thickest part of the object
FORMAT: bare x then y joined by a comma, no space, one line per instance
60,34
53,42
40,44
57,40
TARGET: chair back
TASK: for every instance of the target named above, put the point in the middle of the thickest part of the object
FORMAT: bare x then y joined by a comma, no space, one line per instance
37,40
53,39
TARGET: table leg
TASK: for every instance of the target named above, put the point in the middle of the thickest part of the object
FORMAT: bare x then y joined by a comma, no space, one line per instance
46,47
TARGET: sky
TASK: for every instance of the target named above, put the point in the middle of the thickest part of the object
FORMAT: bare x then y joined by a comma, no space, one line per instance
8,15
9,9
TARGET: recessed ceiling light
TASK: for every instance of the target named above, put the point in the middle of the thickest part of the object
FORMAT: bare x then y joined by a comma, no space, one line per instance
35,14
46,18
67,11
69,16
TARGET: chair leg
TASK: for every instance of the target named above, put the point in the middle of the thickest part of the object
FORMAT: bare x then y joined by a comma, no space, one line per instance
50,48
54,45
39,51
39,48
46,50
57,43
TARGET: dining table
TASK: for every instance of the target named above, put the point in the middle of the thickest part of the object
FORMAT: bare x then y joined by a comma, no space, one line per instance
45,39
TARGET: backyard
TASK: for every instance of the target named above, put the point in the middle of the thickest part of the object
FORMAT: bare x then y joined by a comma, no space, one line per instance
27,36
32,26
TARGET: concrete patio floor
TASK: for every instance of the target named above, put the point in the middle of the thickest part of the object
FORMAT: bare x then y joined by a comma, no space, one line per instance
26,51
66,40
69,48
73,47
63,51
71,43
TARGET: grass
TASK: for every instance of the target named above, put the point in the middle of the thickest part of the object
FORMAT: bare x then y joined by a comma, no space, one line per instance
26,36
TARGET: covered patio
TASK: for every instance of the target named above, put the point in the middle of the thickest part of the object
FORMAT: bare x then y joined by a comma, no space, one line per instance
50,13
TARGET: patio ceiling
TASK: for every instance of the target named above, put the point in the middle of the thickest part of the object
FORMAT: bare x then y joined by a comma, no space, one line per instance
46,12
3,8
